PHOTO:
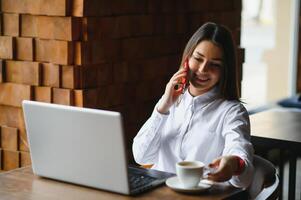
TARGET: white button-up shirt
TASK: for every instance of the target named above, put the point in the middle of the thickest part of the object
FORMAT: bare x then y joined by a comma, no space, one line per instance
198,128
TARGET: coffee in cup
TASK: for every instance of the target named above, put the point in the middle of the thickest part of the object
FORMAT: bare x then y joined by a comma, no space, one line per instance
190,173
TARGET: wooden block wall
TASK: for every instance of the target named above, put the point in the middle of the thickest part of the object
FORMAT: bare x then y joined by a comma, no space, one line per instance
115,55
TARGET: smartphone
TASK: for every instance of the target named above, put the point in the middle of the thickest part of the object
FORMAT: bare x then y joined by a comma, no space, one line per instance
184,81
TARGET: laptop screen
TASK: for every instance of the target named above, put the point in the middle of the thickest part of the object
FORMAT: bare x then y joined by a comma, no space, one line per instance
78,145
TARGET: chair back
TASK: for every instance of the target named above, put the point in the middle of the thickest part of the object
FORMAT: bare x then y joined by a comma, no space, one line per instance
265,184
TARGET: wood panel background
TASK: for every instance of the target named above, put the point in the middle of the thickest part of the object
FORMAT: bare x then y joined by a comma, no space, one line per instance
110,54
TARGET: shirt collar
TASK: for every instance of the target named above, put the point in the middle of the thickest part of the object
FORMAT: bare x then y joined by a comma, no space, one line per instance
202,99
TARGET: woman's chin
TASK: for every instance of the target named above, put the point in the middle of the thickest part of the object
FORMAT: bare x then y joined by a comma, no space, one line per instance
201,84
196,89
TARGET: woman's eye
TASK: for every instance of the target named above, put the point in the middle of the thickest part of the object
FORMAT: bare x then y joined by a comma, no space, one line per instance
198,58
216,65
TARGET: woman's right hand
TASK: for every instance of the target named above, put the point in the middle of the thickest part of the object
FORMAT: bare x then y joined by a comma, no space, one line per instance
173,90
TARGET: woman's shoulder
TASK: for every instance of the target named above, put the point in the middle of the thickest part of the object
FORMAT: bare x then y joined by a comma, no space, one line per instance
233,105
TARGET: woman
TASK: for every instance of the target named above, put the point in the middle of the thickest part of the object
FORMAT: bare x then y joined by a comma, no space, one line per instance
203,120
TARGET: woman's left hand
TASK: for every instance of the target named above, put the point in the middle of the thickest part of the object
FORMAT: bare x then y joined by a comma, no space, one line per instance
226,167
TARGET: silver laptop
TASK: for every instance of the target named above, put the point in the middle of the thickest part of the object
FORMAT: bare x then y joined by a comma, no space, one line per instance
83,146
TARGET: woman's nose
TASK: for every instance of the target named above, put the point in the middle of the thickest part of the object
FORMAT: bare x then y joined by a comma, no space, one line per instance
203,67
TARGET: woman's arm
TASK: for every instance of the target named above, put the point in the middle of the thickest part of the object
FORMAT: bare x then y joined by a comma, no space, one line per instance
147,142
236,132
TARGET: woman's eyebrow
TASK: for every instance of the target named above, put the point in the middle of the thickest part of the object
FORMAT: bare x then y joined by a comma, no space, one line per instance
213,59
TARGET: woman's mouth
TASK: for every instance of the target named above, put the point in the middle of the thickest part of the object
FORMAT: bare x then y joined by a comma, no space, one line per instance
201,79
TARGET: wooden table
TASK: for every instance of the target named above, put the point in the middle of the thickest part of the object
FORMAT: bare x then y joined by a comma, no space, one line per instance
22,184
279,129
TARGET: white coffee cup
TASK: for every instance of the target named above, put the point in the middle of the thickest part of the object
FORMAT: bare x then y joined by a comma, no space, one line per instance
190,173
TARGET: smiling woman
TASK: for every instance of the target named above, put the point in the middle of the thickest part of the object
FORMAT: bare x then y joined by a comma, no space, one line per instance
209,124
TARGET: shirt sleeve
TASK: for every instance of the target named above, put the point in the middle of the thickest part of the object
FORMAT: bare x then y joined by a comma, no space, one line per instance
147,142
237,142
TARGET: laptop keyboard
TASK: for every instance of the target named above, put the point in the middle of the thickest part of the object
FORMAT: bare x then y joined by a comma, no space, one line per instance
138,180
142,179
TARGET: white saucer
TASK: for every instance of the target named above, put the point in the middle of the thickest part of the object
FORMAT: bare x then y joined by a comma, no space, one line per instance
174,183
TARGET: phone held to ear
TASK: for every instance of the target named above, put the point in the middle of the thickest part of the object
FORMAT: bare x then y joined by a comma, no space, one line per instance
184,81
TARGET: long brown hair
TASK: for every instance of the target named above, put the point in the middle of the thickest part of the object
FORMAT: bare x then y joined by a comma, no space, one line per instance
222,37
